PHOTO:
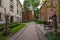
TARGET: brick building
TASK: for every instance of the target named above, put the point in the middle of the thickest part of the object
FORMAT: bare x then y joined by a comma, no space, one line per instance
48,8
59,9
29,16
43,14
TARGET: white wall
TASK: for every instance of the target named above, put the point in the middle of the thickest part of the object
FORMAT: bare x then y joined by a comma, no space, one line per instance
6,4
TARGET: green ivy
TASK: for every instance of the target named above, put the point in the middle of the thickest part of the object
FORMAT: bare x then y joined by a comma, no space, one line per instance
52,36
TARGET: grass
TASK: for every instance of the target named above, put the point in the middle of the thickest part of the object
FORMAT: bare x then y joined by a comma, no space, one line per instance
11,25
2,25
12,30
2,37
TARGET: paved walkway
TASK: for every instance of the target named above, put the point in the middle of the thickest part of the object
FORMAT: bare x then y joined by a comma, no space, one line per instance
41,27
30,32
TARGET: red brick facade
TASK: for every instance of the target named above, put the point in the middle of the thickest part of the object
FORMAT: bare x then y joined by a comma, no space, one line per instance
29,17
47,10
43,10
24,17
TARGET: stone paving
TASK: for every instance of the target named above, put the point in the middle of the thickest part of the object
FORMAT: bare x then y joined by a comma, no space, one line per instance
41,27
30,32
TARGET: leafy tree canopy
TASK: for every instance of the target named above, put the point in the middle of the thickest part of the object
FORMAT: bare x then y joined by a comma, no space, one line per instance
31,3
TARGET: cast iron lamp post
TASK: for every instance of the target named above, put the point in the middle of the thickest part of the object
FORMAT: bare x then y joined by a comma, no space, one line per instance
6,29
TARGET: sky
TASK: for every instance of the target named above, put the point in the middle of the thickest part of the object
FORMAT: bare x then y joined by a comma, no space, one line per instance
22,1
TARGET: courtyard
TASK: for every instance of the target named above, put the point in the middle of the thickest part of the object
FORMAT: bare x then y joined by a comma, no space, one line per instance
29,19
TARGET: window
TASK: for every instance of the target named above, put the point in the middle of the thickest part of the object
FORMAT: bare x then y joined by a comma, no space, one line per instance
17,4
0,2
11,0
11,8
50,18
0,16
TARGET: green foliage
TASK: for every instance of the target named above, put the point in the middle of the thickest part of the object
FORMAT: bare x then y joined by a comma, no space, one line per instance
36,15
12,30
2,26
26,21
52,36
59,7
37,21
2,37
29,3
12,25
40,21
33,4
43,21
17,28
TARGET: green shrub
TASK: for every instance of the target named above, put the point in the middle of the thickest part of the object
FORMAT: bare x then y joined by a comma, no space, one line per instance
52,36
12,25
12,30
17,28
40,21
26,21
2,26
37,21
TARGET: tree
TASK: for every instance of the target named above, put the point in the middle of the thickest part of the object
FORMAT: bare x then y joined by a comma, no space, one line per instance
36,15
59,8
30,4
26,7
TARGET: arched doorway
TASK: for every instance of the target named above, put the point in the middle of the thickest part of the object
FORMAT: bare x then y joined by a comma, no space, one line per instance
11,19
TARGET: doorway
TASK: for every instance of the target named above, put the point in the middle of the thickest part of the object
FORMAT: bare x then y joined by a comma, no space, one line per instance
11,19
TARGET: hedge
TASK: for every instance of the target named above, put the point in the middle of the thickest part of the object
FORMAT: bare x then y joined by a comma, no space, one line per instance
52,36
2,26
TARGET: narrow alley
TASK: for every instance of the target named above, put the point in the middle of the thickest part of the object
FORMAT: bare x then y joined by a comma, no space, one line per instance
30,32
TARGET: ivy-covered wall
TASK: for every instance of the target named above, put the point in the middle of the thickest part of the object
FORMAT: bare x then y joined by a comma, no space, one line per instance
59,9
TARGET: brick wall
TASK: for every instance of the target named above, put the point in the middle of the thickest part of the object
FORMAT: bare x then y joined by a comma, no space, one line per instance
30,16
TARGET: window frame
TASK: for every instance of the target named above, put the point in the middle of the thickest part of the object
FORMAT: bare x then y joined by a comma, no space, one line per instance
11,8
